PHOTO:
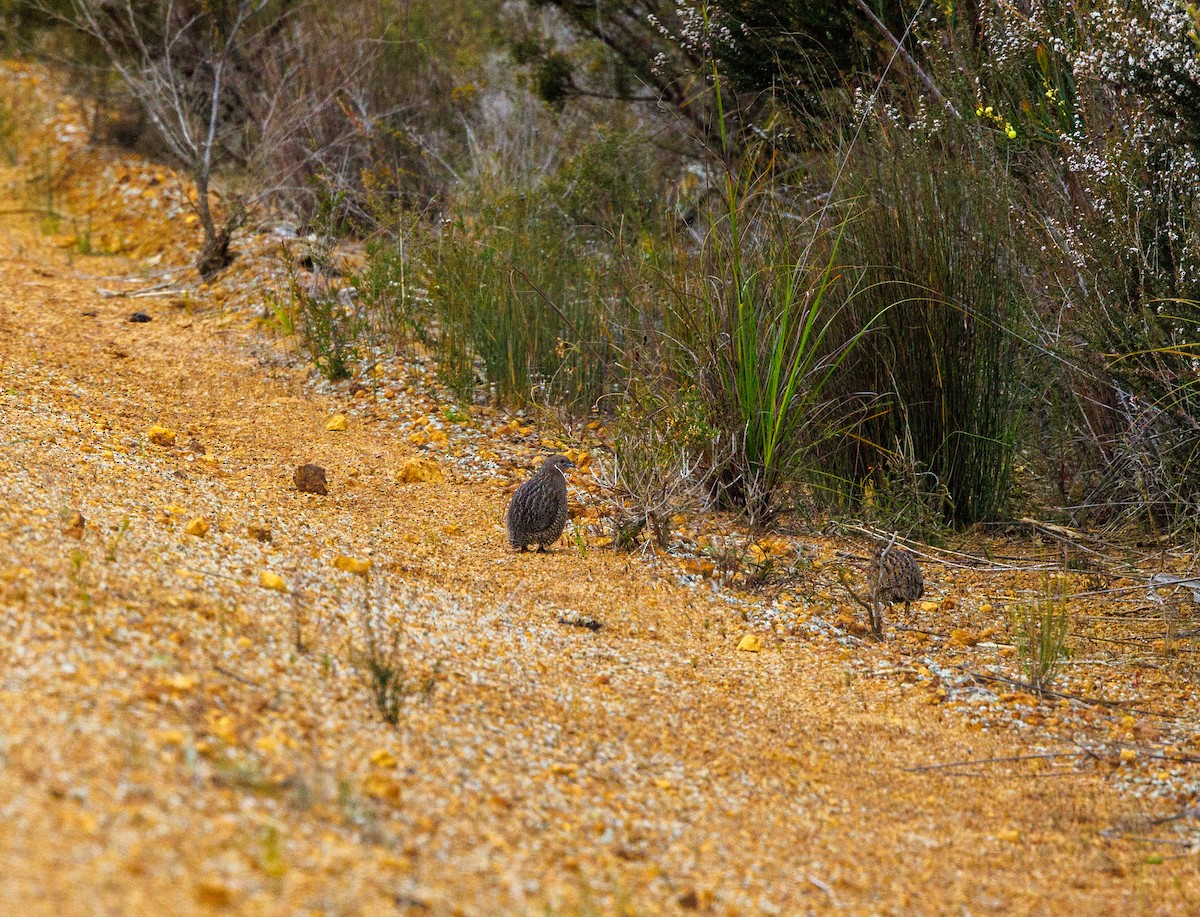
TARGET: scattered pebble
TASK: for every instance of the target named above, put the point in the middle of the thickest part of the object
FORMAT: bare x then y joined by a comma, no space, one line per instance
575,619
310,479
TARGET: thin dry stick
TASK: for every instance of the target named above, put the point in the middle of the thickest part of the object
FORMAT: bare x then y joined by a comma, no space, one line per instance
1091,701
907,58
236,677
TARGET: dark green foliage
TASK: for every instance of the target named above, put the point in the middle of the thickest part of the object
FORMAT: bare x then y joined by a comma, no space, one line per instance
554,78
798,48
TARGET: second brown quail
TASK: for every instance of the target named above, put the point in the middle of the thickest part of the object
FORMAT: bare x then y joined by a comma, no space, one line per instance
537,513
895,577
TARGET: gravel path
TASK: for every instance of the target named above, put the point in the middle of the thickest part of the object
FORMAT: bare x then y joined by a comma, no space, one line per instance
177,738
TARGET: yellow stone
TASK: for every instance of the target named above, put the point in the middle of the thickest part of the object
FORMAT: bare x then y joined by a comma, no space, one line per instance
383,758
162,436
180,682
352,564
1128,754
269,580
198,526
336,423
420,471
213,892
382,787
960,637
751,643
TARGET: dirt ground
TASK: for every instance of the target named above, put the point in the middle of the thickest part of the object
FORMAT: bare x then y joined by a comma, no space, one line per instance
178,737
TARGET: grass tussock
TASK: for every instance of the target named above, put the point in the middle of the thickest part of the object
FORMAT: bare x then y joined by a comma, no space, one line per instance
1039,629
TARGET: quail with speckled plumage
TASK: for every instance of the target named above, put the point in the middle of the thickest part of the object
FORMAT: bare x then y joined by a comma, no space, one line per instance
537,514
895,577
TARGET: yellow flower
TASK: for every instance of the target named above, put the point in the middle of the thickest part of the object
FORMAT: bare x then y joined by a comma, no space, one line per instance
1010,130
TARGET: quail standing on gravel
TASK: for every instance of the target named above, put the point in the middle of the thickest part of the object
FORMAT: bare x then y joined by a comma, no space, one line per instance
537,514
895,577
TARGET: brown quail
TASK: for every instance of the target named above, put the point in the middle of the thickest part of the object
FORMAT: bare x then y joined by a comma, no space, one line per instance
537,514
895,577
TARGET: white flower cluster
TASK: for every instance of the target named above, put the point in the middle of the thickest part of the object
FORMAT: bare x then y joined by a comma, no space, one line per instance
700,27
1127,148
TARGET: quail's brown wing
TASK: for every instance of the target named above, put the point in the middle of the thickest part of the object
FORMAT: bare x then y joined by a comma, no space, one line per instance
535,507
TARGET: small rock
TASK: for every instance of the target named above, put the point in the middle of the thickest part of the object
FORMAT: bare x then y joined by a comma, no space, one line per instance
162,436
212,892
310,479
197,526
961,637
269,580
140,317
259,532
336,423
750,643
352,565
383,758
575,619
73,525
420,471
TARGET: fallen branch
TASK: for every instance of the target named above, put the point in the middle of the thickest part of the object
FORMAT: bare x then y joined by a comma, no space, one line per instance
162,289
1091,701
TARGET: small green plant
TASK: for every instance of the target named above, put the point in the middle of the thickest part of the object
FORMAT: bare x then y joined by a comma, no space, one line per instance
386,288
386,673
77,561
280,314
329,323
83,237
8,134
272,862
110,550
1039,630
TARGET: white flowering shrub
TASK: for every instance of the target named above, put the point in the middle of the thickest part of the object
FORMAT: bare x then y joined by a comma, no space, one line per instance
1091,110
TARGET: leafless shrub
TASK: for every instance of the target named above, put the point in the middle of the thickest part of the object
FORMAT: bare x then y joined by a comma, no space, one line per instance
182,62
273,91
658,462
